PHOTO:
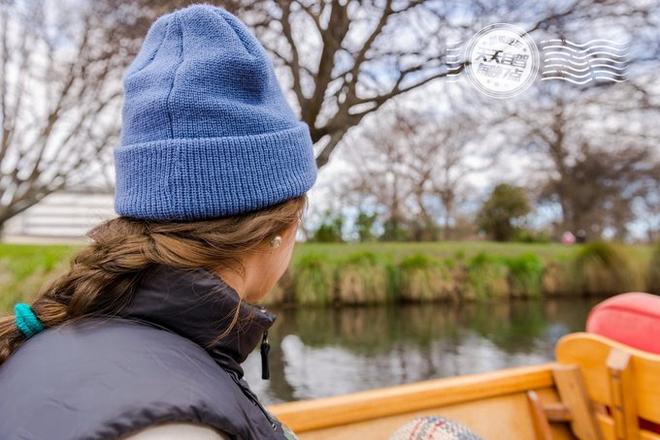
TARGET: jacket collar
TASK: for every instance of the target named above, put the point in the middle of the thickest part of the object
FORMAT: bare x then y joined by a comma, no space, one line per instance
198,305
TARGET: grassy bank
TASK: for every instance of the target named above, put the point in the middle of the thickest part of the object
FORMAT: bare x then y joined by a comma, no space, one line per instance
24,268
375,273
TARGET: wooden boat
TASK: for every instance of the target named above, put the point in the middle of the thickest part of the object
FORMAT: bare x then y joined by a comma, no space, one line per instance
596,389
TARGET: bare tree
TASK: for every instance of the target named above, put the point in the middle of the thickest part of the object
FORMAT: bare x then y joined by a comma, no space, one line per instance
380,177
596,155
59,95
345,59
414,165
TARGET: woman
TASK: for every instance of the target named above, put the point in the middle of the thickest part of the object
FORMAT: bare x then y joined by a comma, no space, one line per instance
143,338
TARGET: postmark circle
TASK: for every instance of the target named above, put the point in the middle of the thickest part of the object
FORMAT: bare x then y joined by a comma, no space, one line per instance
503,60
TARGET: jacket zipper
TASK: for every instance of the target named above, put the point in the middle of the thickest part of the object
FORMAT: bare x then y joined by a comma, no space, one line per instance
265,348
255,400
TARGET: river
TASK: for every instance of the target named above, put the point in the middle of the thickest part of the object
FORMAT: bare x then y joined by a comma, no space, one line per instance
320,352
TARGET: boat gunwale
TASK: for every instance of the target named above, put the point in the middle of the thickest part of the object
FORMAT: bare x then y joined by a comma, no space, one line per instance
327,412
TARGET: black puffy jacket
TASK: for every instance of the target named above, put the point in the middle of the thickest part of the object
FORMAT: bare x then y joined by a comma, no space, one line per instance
107,377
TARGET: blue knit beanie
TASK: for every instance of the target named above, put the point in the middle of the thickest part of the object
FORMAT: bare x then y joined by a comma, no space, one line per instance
206,130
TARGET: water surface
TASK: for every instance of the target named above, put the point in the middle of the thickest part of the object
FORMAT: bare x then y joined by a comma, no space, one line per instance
318,352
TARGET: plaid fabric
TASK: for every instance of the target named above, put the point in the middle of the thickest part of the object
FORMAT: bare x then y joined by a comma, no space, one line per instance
433,428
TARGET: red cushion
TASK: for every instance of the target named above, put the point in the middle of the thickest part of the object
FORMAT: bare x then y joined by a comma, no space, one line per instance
630,318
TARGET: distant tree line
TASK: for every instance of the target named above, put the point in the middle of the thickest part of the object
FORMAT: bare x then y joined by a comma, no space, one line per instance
501,217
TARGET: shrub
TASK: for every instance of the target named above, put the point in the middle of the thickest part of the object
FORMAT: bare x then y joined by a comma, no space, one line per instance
601,269
362,280
459,255
487,277
557,279
423,278
531,236
393,275
314,280
417,261
525,275
330,229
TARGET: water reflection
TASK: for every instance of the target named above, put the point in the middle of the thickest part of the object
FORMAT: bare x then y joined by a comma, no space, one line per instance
324,352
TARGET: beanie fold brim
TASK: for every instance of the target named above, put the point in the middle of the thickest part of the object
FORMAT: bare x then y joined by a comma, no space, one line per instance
202,178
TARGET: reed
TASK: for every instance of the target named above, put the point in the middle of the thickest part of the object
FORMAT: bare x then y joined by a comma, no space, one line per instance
423,278
362,279
557,279
487,277
391,273
653,272
314,280
600,268
525,275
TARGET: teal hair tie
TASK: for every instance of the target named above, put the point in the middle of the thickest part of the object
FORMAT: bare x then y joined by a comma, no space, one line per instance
26,321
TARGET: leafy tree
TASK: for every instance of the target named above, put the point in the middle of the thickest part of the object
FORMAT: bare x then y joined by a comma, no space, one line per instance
364,225
506,205
330,230
395,230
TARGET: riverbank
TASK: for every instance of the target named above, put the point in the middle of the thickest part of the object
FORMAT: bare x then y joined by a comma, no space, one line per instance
379,273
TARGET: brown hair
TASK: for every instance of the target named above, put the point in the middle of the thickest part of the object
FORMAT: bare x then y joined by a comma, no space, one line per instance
104,275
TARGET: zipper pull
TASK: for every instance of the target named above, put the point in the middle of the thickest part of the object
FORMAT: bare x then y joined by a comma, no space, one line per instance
265,348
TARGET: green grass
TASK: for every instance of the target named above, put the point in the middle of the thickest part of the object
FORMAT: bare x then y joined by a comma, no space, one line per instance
24,260
460,250
23,268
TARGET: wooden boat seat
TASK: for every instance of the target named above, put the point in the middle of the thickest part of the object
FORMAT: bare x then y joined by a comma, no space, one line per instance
622,384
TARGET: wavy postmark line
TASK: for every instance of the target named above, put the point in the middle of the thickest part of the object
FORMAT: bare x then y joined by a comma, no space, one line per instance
574,73
574,76
586,69
585,50
454,58
585,57
567,61
596,78
596,40
455,69
564,73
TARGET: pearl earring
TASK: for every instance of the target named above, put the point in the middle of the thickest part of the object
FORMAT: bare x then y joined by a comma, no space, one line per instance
276,241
